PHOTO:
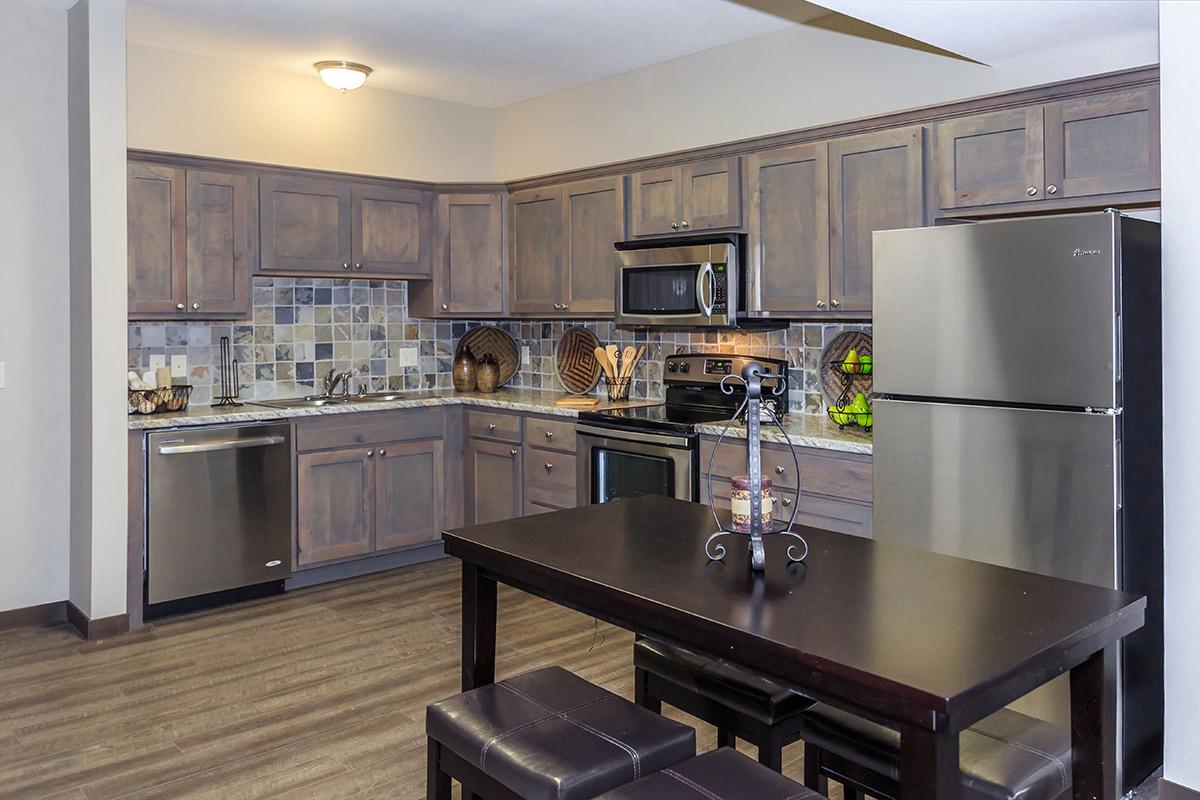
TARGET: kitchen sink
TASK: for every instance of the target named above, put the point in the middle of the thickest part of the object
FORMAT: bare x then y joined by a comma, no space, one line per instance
375,397
314,401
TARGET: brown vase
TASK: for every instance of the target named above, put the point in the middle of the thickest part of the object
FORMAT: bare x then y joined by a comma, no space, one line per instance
464,371
487,375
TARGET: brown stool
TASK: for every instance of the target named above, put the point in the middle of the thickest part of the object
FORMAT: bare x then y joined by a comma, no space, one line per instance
1005,757
723,774
546,735
739,702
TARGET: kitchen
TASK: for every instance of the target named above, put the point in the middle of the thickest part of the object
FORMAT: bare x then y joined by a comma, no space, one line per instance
264,274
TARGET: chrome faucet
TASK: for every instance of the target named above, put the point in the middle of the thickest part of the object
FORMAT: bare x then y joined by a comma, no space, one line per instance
332,380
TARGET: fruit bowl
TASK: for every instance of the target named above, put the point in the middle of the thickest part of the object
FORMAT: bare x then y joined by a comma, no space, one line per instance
846,416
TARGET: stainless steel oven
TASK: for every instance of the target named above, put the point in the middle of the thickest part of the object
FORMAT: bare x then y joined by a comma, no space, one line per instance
622,463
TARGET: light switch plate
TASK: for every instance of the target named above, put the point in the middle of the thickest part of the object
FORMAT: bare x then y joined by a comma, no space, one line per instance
157,362
179,366
407,356
526,358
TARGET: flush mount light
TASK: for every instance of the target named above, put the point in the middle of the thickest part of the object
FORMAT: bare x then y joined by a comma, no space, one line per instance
344,76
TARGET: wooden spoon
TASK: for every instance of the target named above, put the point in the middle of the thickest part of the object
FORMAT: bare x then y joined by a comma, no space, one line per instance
628,361
612,359
602,360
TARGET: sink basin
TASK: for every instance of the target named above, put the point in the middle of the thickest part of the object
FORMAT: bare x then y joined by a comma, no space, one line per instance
314,401
375,397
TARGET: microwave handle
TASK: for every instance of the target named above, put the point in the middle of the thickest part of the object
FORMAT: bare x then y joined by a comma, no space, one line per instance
706,270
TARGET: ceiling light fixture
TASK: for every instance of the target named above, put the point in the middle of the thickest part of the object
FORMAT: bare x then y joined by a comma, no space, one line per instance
344,76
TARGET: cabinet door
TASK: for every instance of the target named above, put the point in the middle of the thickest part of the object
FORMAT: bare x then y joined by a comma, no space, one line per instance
712,194
335,509
470,270
536,261
408,494
593,219
222,238
493,485
157,250
876,183
305,225
789,229
655,201
392,230
1103,144
990,158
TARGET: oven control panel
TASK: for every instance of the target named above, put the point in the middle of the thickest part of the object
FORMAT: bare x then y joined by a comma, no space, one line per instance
703,368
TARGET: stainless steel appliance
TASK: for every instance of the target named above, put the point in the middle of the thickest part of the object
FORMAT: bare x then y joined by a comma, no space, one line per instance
219,512
654,450
1019,420
684,283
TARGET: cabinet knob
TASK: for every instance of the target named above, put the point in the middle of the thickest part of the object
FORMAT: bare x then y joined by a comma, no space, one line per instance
512,452
491,427
345,265
1052,189
787,501
445,307
779,470
564,306
835,303
180,306
195,306
358,265
1031,191
382,452
820,304
674,226
548,466
683,224
370,453
549,434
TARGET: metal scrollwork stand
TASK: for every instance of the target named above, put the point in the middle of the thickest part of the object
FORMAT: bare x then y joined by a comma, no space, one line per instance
753,376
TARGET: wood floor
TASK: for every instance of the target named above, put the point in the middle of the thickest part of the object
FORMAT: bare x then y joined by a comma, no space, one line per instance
317,694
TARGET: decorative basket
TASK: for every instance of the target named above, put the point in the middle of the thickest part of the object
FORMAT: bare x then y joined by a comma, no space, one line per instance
159,401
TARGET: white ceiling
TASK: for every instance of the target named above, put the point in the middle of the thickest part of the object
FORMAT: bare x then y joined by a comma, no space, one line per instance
481,52
993,31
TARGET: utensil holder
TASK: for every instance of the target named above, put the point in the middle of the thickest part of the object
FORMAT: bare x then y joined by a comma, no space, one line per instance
618,388
159,401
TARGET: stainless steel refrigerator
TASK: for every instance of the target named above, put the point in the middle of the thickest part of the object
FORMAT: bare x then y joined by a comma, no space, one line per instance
1018,419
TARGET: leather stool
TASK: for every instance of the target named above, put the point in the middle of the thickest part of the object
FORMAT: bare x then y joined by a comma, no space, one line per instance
546,735
1008,756
723,774
739,702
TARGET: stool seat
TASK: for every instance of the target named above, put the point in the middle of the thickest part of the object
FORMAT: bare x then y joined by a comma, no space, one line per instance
723,774
733,686
1007,756
551,735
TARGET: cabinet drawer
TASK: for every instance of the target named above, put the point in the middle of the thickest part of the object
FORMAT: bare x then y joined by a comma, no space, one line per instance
825,513
551,434
837,475
368,427
777,465
550,478
487,425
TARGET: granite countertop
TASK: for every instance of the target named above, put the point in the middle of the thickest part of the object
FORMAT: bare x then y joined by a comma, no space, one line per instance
805,430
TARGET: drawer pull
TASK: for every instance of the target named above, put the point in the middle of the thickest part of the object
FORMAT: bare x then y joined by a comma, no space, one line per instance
491,427
549,466
787,501
779,470
549,434
512,452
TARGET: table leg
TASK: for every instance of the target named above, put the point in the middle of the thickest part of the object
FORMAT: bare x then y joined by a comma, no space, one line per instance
478,628
1094,727
928,765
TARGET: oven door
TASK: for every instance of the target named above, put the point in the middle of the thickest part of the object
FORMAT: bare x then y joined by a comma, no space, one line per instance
615,464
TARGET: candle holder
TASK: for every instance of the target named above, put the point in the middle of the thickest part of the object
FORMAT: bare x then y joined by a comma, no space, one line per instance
753,376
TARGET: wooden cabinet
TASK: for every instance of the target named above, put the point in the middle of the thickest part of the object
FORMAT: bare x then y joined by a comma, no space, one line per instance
469,259
493,482
1081,147
550,470
813,210
408,494
192,238
392,231
336,508
876,183
306,225
562,260
696,196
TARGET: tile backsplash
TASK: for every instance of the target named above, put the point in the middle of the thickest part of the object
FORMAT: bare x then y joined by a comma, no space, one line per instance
303,327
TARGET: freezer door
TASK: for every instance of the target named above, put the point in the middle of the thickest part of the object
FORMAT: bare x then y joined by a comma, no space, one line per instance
1031,489
1015,311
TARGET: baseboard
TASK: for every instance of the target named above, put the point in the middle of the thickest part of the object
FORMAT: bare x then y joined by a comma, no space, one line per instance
365,566
44,614
1173,791
102,628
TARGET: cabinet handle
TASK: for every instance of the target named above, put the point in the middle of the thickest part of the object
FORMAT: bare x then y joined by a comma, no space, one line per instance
549,435
564,306
683,224
195,306
835,303
1031,191
787,501
345,265
445,307
549,466
674,226
180,306
358,265
383,452
370,454
491,427
512,452
1052,189
779,470
820,304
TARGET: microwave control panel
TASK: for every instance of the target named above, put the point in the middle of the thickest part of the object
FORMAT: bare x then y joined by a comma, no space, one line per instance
720,288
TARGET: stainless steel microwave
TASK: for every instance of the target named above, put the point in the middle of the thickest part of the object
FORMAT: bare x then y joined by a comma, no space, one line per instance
684,283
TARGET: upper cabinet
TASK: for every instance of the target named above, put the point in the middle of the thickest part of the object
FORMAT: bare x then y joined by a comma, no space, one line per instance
192,242
338,228
1083,147
469,267
813,210
562,260
697,196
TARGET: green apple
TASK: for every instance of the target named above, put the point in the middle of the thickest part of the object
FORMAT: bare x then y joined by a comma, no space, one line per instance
864,362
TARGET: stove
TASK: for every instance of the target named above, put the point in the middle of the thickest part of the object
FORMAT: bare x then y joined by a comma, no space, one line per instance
627,452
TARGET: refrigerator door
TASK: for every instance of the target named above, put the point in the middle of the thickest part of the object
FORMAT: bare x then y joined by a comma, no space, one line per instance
1026,488
1014,311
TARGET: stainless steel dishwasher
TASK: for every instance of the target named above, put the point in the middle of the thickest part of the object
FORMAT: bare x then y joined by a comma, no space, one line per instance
220,514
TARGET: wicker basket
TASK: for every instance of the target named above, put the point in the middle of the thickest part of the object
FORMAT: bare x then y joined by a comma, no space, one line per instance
159,401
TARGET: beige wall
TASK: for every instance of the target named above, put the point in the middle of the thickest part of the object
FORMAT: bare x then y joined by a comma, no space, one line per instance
192,104
794,78
34,443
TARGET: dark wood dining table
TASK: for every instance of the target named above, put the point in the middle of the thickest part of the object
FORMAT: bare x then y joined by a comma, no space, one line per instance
923,643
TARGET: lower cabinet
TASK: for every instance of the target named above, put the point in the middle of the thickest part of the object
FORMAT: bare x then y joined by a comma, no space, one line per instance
335,492
517,465
408,494
493,481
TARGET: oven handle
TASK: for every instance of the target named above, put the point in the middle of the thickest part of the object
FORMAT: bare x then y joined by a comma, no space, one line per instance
649,438
706,270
